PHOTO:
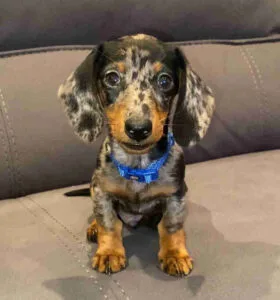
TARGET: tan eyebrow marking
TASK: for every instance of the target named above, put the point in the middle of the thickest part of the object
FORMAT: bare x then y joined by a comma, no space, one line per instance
121,67
157,66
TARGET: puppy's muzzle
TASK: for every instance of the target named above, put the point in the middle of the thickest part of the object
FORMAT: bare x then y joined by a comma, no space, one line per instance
138,129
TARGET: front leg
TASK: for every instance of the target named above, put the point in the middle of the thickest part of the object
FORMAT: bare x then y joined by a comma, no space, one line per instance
110,254
173,255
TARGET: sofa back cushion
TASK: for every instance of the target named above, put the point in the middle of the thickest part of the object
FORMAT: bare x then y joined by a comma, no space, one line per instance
39,150
37,23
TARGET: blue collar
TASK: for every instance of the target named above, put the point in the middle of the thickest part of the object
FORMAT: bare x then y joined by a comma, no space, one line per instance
151,172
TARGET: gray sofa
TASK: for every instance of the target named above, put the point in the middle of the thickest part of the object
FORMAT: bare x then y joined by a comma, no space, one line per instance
233,175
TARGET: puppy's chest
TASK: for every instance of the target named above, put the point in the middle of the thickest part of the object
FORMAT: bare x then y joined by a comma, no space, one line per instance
140,200
136,187
137,192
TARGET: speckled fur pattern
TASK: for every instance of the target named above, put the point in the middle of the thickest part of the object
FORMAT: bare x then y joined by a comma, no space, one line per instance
133,200
81,106
186,110
139,55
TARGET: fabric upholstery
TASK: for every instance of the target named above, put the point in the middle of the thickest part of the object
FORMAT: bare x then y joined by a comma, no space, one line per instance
232,234
233,202
38,23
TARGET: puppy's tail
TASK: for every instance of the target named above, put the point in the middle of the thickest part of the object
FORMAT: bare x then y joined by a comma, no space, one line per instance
78,193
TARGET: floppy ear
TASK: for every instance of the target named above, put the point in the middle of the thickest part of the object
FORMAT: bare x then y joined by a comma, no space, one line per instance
194,107
79,96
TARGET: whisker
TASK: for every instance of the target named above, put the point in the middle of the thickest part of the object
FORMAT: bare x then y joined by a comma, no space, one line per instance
159,126
174,124
164,118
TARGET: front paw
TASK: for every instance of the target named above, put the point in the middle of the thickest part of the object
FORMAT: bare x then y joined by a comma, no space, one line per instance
109,262
175,264
92,232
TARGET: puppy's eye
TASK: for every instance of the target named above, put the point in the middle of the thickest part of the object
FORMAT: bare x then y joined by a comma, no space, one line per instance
112,79
165,82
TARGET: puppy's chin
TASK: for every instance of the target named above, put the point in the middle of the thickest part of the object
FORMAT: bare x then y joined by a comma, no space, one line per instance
136,149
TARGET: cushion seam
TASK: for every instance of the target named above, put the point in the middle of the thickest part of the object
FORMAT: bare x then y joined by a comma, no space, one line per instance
8,151
74,236
6,155
52,231
19,186
253,72
263,95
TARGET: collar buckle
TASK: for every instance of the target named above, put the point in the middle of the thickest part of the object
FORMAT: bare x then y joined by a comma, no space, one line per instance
144,176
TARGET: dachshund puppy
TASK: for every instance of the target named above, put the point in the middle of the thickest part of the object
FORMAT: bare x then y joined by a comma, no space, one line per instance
151,101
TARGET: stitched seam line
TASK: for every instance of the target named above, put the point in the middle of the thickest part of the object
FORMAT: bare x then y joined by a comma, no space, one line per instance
8,152
76,238
19,187
60,240
185,43
6,155
263,95
255,79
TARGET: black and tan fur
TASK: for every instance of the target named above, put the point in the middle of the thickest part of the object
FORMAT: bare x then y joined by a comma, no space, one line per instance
185,109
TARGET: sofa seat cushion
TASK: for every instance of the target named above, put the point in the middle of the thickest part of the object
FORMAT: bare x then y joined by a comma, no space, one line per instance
232,228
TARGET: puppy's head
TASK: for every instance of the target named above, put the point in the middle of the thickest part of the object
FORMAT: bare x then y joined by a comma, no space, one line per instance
133,84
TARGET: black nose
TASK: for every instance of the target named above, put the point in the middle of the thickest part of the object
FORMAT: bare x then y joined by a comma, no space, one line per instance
138,129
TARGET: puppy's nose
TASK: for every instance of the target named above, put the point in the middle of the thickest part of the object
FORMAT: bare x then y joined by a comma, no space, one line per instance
138,130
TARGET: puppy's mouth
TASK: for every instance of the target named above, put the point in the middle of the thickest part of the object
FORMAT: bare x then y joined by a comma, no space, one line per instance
136,148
